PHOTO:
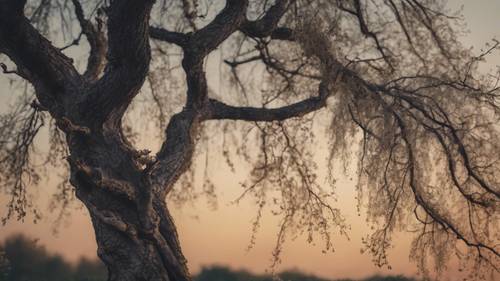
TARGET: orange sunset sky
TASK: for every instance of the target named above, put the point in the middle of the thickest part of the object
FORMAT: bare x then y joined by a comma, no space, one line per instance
220,236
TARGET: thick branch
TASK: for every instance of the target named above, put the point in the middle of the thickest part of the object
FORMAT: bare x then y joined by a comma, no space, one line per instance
50,71
283,33
202,42
266,26
175,154
128,57
97,41
219,110
207,39
173,37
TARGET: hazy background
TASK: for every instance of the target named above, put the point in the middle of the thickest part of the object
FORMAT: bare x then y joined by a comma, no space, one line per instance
220,236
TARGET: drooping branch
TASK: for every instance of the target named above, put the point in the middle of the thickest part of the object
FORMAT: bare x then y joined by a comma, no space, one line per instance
18,130
421,201
408,113
418,109
358,11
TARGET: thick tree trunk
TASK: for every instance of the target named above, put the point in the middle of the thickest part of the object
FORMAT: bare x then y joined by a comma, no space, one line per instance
136,236
123,189
126,257
130,257
132,253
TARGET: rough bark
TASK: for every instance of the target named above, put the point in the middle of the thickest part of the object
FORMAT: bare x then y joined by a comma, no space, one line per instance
124,189
136,236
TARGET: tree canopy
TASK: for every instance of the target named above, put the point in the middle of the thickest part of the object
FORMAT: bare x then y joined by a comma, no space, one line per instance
404,100
27,260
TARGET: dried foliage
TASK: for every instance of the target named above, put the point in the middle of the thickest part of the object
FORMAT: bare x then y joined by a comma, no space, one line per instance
404,100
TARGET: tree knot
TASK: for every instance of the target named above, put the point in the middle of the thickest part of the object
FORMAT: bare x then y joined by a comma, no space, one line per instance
69,127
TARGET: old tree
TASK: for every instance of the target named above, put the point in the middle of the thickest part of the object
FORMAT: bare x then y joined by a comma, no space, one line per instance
389,75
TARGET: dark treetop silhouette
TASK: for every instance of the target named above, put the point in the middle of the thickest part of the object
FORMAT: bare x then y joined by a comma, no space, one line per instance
27,260
388,74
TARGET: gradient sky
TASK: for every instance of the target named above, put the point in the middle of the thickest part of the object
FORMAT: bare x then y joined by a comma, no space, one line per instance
221,236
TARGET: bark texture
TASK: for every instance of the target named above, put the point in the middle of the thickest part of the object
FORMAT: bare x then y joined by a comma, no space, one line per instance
136,236
124,189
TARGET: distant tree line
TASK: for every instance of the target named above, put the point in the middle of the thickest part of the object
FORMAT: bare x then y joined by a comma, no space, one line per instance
221,273
22,259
